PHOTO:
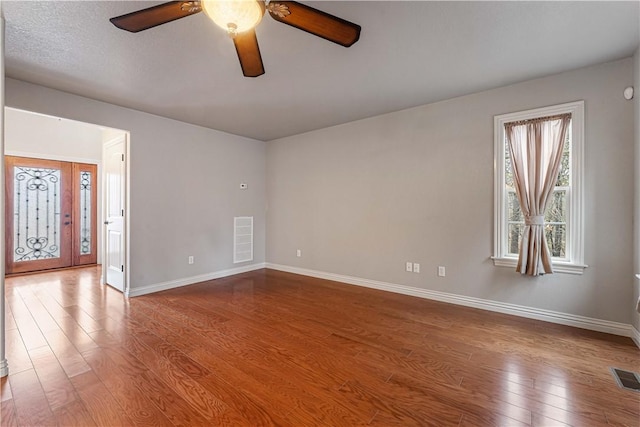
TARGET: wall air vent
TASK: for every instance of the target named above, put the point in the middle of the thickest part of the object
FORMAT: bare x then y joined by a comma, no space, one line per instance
242,239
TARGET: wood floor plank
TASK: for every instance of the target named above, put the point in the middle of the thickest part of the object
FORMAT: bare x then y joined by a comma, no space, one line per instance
134,403
74,414
53,379
284,406
86,322
39,313
476,403
68,356
542,421
17,354
387,419
410,410
550,406
622,418
163,323
5,389
268,348
8,416
206,403
65,322
32,407
98,401
162,390
29,331
9,321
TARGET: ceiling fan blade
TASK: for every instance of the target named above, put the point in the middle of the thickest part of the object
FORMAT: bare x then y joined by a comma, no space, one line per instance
249,53
156,15
315,21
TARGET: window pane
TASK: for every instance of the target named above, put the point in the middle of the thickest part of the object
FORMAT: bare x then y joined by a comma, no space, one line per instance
564,174
557,207
556,235
513,207
508,167
513,236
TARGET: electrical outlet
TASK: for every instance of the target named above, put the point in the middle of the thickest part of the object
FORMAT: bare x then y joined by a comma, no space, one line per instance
191,259
441,271
416,267
299,253
409,266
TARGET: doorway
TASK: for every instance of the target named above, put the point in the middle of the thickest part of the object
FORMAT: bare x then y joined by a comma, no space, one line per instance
51,214
35,135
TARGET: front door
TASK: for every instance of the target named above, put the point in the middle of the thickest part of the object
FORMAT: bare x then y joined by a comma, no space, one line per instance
114,169
47,211
38,214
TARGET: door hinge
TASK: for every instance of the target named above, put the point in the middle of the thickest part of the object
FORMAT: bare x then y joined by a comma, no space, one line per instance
123,157
122,267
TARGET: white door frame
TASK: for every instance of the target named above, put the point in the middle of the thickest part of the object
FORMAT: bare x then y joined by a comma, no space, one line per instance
4,366
127,220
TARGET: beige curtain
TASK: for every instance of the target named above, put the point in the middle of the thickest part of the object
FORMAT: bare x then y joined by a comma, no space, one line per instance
536,151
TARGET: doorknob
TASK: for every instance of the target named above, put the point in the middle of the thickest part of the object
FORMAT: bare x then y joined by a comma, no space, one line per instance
107,222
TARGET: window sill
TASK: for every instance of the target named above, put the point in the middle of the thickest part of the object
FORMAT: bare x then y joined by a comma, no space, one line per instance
558,267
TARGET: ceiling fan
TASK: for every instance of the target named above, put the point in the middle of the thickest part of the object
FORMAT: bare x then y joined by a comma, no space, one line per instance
239,18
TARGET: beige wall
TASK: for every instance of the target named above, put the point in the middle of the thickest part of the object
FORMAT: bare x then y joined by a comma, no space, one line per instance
184,185
361,199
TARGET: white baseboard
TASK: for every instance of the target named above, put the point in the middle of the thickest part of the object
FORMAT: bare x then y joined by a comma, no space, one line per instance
635,336
500,307
135,292
4,368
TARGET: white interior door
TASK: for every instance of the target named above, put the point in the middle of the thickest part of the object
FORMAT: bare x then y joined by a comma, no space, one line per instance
114,184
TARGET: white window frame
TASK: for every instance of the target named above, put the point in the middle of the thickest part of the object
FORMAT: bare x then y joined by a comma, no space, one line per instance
574,261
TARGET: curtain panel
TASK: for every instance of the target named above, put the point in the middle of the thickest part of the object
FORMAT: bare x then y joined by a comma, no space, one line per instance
536,149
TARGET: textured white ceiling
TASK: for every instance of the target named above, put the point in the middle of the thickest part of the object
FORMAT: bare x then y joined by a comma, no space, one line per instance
409,53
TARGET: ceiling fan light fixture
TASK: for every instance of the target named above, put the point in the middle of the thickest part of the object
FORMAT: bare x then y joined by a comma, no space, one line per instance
234,16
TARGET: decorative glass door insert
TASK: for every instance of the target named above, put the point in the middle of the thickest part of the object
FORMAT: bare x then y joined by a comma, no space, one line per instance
42,200
36,193
84,208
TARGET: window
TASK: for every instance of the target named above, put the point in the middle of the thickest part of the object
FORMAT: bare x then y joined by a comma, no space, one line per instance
563,219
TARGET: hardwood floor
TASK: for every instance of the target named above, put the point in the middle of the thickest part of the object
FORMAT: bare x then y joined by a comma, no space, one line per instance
272,348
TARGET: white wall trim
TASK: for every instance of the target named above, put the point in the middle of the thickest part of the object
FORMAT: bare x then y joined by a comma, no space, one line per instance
135,292
500,307
558,266
635,336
